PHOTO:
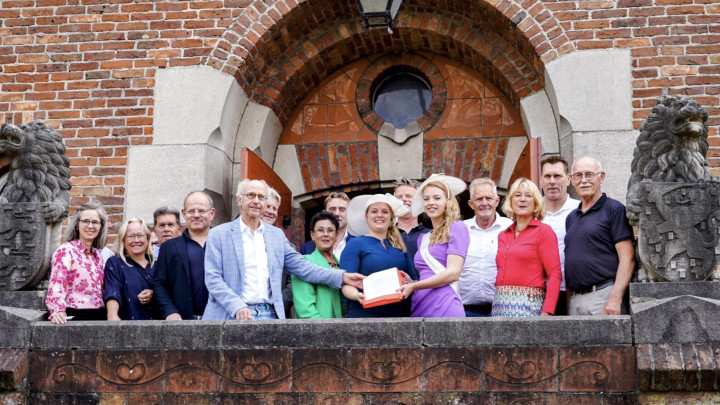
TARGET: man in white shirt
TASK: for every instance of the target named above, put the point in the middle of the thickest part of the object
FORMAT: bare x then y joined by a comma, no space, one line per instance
554,181
245,258
477,280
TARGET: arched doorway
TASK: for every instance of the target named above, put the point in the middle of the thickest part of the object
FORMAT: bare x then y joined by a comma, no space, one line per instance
469,130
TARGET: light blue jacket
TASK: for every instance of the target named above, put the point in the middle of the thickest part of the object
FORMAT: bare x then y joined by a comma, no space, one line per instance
224,269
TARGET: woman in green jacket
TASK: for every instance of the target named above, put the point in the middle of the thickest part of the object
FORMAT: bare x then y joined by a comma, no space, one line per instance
318,300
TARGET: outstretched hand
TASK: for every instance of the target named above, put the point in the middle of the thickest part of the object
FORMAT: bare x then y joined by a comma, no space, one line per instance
352,279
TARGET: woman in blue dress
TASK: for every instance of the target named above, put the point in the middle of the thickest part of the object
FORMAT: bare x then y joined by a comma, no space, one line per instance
379,246
128,290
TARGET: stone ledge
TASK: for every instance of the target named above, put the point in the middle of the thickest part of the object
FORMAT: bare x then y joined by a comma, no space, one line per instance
334,333
553,331
678,367
641,292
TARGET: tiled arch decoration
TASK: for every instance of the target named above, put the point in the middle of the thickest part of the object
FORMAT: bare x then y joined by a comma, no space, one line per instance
337,150
391,63
277,52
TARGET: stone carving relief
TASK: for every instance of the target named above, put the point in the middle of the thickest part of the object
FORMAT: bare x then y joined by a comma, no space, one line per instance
34,200
132,371
672,196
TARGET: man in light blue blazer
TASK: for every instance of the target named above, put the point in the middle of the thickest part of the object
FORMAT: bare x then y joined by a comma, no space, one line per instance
244,260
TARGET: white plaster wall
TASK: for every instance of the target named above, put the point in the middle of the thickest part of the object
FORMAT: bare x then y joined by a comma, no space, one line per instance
611,149
539,121
192,103
198,113
259,131
400,160
591,96
287,166
593,89
164,174
516,144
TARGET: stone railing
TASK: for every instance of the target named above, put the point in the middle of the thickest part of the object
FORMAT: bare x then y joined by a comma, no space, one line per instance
667,352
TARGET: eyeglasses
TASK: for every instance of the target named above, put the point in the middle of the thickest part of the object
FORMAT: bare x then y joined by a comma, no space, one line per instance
197,212
252,196
590,176
139,237
87,222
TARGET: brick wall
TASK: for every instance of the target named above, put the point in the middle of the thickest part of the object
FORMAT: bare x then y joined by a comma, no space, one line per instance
88,67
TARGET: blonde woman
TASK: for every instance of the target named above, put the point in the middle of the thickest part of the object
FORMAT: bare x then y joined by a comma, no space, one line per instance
128,289
528,260
441,253
379,247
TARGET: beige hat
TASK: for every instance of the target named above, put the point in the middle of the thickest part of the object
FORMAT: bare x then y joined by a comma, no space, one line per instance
357,224
453,184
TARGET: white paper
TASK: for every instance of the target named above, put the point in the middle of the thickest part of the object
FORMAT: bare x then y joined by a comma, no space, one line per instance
381,283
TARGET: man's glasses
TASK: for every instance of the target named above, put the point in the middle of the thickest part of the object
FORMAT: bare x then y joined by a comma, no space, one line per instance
252,196
87,222
197,212
590,176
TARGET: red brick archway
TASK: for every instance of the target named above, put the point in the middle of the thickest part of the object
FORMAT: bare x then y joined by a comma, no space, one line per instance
279,53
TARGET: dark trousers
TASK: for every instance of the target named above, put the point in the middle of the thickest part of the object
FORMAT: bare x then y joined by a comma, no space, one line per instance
561,308
99,314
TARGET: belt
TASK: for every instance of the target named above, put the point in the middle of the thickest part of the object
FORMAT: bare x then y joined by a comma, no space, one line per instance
485,308
597,287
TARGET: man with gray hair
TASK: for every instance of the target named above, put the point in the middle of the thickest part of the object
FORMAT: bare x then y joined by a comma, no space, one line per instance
270,215
245,259
599,253
167,226
409,226
477,279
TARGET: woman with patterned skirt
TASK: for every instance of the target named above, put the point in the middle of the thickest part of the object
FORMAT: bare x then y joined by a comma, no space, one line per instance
528,261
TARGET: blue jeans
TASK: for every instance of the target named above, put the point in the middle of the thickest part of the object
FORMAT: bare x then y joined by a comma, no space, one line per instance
262,311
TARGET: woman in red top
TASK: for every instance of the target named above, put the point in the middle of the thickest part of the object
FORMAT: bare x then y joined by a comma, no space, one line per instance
528,261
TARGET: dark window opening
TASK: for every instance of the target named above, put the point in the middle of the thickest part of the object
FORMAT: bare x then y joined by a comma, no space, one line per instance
401,99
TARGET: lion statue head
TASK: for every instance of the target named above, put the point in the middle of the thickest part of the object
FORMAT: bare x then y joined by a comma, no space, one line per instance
673,144
672,147
39,170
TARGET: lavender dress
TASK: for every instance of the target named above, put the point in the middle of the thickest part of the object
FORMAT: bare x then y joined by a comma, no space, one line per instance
441,302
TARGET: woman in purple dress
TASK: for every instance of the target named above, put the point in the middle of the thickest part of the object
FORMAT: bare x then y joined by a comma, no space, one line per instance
441,253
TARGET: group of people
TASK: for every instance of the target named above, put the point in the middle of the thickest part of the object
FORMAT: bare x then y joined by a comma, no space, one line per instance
551,255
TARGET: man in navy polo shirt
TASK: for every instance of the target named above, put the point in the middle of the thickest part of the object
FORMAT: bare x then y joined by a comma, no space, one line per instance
599,254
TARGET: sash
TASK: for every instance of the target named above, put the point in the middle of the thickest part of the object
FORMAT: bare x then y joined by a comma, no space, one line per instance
434,265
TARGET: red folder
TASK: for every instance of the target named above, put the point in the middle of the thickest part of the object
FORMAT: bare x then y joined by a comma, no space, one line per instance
386,298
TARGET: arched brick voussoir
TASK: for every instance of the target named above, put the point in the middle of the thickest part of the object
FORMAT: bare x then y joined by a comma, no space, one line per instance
280,53
285,82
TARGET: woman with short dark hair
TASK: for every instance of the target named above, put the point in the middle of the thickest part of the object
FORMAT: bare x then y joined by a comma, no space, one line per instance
319,300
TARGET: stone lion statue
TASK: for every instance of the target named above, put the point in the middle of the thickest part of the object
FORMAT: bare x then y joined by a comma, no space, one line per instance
34,200
673,197
672,147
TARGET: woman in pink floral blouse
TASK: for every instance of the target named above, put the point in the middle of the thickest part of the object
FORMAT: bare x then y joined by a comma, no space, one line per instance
76,280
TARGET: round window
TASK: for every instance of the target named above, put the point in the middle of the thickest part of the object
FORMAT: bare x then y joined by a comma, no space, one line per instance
401,99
